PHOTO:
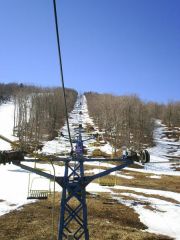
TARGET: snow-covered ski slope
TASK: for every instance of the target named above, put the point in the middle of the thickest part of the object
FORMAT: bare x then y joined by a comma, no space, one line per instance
164,154
61,146
165,149
6,124
162,216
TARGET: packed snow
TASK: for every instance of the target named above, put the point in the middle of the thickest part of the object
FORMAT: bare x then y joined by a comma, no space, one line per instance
155,176
155,170
163,218
166,194
164,150
7,122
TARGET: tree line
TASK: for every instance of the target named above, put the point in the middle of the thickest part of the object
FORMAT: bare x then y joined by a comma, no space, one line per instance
8,91
127,120
38,115
169,113
39,112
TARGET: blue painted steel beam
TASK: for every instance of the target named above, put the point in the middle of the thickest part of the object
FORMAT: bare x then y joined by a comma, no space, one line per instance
89,179
41,173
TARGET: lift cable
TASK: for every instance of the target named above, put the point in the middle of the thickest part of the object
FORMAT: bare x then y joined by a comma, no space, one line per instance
61,72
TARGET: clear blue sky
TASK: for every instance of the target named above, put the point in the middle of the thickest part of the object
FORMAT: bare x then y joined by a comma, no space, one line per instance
115,46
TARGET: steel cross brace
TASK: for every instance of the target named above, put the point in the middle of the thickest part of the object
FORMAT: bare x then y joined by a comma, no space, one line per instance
73,220
74,188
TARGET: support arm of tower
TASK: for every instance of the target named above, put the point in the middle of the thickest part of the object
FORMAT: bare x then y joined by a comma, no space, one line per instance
59,180
89,179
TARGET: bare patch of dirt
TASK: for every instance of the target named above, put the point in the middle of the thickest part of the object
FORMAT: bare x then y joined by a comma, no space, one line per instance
152,208
12,205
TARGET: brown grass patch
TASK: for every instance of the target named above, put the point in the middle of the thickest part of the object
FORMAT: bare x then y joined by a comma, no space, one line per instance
166,183
152,208
106,222
98,153
141,180
168,199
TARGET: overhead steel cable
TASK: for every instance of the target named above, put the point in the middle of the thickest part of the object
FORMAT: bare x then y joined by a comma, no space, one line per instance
61,71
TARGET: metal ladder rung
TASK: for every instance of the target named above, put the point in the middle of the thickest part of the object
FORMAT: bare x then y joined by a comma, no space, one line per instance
38,194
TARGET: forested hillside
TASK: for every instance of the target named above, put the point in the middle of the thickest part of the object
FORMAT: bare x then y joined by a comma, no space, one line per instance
169,113
39,113
127,120
9,90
